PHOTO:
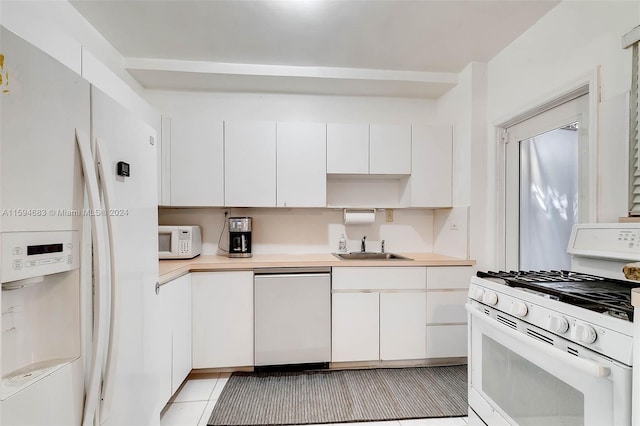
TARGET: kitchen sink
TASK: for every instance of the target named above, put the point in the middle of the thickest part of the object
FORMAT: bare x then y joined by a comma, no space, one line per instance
358,255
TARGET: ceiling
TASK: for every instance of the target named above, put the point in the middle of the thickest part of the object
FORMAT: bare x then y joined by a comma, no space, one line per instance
370,47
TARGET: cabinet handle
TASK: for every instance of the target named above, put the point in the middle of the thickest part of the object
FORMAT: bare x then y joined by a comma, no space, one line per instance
157,288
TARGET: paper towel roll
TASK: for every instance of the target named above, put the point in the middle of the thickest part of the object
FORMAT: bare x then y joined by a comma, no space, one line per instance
359,217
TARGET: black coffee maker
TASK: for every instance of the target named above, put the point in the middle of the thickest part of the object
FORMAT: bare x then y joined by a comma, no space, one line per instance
239,237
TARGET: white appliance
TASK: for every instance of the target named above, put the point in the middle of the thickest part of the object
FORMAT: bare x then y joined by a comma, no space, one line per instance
79,264
292,316
179,242
556,347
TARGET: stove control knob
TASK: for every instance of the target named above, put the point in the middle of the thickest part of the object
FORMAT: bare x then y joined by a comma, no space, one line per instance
558,324
584,333
476,293
519,309
490,298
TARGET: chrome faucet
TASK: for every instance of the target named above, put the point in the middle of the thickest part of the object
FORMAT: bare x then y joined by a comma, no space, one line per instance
363,247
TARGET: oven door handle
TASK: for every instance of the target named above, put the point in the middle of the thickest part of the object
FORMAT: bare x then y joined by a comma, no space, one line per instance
587,366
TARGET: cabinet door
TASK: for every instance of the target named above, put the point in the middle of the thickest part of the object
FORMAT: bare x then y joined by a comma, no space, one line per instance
446,307
431,166
250,164
402,326
347,148
302,165
449,277
389,149
379,278
165,354
181,342
446,341
222,319
196,161
175,323
355,327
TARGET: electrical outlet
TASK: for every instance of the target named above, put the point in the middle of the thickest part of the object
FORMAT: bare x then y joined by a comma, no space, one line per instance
389,215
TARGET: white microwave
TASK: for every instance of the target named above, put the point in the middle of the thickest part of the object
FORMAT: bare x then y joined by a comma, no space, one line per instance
179,242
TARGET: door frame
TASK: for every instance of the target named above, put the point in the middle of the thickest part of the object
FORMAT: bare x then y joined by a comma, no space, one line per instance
588,84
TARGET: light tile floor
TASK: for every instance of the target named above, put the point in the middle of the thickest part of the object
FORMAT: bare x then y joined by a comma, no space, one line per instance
194,403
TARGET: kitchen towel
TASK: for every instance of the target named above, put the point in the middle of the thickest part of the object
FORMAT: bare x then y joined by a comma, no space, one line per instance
359,217
293,398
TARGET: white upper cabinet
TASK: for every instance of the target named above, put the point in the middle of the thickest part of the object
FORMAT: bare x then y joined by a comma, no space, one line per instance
430,184
301,164
376,149
250,164
196,153
389,149
347,148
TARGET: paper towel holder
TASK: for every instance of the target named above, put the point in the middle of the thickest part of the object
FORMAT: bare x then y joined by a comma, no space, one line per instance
359,216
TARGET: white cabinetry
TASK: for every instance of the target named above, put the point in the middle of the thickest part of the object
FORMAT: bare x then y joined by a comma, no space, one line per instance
378,313
196,160
355,333
347,148
222,319
402,320
301,165
175,305
250,164
376,149
447,289
430,184
390,149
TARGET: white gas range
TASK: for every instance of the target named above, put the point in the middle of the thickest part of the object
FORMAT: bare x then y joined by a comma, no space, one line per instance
556,347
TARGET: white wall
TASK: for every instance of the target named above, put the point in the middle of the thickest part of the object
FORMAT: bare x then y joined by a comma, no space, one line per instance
304,230
284,107
571,41
462,230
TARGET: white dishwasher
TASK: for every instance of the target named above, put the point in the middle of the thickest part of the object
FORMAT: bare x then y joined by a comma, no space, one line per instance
292,316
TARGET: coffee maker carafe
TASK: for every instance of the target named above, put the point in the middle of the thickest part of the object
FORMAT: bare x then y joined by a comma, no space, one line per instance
239,237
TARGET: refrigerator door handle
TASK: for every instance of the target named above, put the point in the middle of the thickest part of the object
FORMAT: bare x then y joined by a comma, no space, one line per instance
106,185
100,273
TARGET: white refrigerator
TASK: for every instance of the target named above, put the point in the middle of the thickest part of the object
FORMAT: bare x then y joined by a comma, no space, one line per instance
78,196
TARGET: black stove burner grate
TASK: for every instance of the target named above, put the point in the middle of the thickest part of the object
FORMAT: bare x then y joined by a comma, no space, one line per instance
599,294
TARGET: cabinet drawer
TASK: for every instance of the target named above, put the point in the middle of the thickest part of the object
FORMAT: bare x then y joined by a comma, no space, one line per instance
379,278
444,341
449,277
445,307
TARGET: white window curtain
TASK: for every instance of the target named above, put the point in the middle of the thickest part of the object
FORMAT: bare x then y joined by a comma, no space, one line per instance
632,40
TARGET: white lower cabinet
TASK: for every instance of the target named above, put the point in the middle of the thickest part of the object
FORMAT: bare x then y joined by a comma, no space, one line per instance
175,302
222,319
355,333
447,341
385,322
447,289
402,320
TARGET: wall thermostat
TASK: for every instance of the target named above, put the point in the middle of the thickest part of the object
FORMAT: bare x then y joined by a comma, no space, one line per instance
123,169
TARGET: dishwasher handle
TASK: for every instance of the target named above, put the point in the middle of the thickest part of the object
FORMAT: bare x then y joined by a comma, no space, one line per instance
292,271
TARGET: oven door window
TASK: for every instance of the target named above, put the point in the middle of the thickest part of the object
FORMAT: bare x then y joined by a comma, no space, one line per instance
531,396
534,387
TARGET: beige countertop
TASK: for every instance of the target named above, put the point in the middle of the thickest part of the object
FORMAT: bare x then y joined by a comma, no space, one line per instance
171,269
